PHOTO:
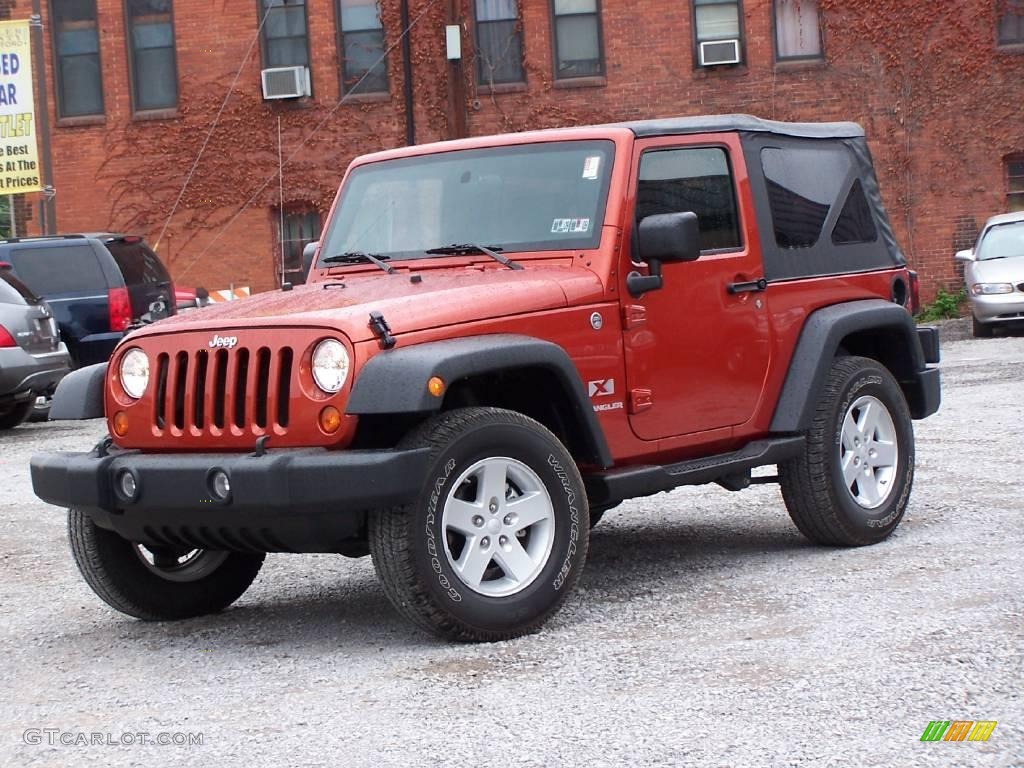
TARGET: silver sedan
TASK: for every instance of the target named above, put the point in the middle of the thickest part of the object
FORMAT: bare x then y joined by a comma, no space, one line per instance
994,274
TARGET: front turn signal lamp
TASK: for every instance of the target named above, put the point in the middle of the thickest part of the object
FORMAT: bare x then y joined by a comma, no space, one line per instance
330,419
120,423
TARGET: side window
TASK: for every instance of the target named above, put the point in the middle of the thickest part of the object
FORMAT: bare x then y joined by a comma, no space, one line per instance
802,185
697,179
60,269
855,223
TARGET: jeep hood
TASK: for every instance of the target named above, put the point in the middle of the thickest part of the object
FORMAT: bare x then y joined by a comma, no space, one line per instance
441,297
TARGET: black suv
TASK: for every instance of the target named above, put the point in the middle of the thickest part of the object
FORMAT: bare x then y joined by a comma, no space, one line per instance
96,284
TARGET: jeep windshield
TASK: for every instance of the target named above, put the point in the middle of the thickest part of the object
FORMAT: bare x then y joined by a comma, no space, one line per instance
531,197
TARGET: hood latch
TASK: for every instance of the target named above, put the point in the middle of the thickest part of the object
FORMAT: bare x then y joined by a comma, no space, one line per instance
383,331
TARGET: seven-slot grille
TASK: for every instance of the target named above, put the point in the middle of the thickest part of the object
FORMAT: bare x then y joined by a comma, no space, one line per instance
238,391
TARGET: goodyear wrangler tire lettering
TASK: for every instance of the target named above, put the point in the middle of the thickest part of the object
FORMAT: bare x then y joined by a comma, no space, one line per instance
494,543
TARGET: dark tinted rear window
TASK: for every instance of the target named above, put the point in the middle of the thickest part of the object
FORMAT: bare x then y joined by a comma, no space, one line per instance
138,263
13,291
68,269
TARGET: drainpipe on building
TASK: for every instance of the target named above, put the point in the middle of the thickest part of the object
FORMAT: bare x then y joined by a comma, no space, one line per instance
48,205
410,124
458,122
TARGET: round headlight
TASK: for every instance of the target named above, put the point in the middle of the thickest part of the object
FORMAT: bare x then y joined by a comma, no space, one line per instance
134,372
330,365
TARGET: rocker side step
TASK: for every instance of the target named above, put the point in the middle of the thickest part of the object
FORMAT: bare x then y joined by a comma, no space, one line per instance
630,482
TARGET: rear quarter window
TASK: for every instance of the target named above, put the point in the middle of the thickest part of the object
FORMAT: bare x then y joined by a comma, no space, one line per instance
64,269
138,264
13,291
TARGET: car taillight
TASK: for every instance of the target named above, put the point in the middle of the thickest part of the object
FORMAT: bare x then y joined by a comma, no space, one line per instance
120,308
6,340
915,292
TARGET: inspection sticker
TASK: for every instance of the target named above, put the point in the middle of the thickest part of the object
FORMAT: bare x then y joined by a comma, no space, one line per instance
567,226
591,166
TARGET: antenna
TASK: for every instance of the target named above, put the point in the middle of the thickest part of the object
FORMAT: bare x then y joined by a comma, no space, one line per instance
280,178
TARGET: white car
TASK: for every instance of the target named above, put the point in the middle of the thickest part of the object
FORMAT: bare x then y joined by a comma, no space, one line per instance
994,274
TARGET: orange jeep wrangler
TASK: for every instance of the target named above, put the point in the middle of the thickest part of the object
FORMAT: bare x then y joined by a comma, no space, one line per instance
500,339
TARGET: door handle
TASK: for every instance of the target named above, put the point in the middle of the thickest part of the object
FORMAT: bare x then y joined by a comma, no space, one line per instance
752,286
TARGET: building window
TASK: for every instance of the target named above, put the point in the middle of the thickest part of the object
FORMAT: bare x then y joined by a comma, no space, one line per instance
1015,183
578,51
285,42
716,20
77,46
1011,22
697,180
499,42
362,46
151,51
797,30
300,229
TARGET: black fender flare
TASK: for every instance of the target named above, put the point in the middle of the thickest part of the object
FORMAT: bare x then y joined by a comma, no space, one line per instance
820,340
80,394
396,381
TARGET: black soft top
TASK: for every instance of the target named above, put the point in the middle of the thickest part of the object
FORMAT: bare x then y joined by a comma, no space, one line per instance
678,126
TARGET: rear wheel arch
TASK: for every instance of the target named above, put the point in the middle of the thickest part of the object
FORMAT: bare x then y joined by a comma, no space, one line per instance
874,329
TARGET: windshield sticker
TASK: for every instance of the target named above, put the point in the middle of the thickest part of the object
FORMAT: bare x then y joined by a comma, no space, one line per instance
569,226
591,166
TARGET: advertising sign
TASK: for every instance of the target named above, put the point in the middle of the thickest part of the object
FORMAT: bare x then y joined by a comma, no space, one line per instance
19,153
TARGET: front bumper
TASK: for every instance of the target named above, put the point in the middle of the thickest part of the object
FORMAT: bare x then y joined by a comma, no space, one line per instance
998,307
289,500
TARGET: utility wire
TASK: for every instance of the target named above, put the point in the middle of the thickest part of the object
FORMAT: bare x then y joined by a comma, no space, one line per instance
213,127
318,126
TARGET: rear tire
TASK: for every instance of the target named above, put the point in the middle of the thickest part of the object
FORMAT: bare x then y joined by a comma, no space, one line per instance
851,484
498,535
981,330
16,414
119,573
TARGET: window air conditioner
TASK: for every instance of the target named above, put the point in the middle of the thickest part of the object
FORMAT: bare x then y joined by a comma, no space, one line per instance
719,52
285,83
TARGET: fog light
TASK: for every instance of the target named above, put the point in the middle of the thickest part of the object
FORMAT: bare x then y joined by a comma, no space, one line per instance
120,423
127,485
220,485
330,419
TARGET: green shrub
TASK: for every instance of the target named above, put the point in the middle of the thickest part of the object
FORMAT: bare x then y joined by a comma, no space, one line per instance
945,307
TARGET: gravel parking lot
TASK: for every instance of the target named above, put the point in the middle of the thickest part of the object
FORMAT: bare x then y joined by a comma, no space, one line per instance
705,631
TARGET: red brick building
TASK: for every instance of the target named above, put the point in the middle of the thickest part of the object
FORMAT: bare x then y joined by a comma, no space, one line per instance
135,85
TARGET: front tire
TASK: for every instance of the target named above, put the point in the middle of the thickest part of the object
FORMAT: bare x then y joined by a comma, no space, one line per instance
981,330
155,584
498,535
16,414
851,484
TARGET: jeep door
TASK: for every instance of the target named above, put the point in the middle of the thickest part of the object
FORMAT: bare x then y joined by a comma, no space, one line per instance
697,350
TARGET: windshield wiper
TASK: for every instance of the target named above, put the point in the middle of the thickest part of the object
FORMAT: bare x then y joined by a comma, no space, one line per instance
459,248
354,257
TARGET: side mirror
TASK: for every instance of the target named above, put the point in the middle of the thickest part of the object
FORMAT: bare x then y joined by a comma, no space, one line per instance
308,254
669,237
664,237
967,255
